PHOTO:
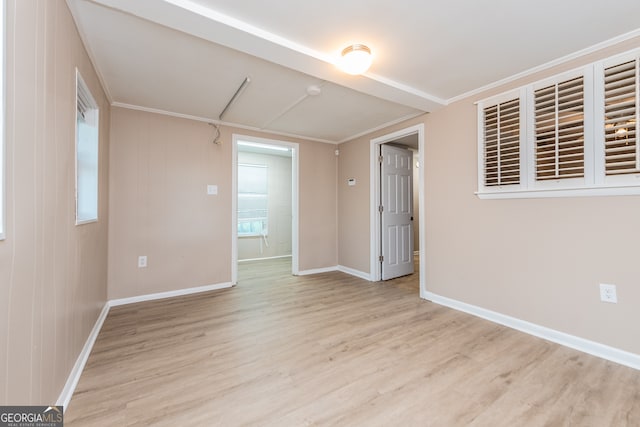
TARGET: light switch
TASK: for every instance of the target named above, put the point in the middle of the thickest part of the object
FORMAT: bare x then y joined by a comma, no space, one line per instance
351,182
212,190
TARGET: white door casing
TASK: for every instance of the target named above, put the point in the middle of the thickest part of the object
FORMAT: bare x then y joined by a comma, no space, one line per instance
396,177
294,200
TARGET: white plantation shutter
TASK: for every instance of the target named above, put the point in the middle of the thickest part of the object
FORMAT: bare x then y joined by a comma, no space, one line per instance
621,118
502,144
559,130
577,134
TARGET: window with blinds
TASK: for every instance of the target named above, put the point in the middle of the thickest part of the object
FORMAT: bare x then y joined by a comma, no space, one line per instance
253,200
621,151
86,154
502,144
559,130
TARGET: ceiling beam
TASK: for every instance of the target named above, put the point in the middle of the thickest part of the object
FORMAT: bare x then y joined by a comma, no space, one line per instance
194,19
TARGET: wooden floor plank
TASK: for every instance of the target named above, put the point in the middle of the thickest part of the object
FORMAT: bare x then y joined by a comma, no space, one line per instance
332,349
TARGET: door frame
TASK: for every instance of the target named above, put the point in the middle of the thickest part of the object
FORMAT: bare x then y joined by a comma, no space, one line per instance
375,246
295,149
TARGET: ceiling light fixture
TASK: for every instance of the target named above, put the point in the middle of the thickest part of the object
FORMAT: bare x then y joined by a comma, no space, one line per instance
356,59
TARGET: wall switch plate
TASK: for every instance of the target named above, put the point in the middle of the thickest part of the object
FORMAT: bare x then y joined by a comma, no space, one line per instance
142,261
212,190
608,293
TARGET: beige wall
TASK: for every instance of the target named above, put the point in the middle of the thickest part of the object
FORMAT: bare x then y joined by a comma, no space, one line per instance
318,170
52,272
279,206
539,260
160,167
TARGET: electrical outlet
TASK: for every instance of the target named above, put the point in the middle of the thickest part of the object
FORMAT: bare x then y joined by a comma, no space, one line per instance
142,261
608,293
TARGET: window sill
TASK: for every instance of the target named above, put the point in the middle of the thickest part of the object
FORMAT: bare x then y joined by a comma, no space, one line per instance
86,221
561,192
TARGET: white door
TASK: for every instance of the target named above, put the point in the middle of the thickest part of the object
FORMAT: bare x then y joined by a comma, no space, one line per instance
396,175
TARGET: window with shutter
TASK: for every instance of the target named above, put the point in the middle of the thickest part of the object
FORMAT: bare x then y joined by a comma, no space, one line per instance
559,130
621,94
578,134
502,144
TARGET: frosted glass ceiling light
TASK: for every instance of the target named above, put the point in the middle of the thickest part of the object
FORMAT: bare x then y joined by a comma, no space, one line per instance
356,59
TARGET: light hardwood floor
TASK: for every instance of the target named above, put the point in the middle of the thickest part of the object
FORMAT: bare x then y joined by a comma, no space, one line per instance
331,349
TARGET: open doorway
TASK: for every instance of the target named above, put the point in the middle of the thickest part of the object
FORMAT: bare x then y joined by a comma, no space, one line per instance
411,139
265,202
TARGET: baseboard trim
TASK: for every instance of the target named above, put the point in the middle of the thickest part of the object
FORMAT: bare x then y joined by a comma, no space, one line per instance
603,351
169,294
341,268
81,361
317,270
357,273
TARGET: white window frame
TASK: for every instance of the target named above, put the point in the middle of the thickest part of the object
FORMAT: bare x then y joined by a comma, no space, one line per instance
2,124
567,183
594,183
93,115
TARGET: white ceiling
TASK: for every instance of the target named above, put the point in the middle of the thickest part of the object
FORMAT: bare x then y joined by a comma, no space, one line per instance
188,57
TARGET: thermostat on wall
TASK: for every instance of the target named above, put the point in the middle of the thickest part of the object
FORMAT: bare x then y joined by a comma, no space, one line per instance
351,182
